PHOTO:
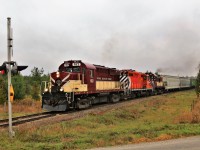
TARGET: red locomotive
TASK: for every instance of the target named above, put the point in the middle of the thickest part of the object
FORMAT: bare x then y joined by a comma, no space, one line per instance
135,83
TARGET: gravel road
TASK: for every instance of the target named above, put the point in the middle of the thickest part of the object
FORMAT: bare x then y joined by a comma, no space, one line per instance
189,143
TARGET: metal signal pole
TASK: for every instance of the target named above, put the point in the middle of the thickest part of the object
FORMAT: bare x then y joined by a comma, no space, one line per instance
9,43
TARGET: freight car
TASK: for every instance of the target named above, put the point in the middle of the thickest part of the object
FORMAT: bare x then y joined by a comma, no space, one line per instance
176,82
184,82
192,82
79,85
171,82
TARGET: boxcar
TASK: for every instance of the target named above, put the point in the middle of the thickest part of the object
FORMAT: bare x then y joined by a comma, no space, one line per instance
184,82
192,82
171,82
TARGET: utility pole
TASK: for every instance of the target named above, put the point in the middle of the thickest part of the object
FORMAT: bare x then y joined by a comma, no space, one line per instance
9,43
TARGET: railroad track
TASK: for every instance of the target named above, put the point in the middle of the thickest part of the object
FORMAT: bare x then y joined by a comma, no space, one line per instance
69,115
73,113
27,118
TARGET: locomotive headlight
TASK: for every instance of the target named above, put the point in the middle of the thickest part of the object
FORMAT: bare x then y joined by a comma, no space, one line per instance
46,90
57,74
61,89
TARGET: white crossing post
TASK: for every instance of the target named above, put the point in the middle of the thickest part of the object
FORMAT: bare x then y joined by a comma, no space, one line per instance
9,44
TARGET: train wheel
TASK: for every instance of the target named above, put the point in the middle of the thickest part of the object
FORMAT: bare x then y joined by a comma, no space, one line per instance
138,94
115,98
133,95
90,102
84,103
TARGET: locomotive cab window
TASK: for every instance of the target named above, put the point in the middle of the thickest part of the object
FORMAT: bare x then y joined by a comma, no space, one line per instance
91,73
130,74
68,69
75,69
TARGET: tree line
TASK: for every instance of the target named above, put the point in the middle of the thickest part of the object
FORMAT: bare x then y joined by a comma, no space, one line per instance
24,86
197,87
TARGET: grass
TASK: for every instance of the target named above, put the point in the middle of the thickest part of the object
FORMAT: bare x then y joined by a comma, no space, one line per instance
20,108
157,118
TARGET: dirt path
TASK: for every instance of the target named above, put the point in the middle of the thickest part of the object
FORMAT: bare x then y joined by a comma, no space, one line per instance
189,143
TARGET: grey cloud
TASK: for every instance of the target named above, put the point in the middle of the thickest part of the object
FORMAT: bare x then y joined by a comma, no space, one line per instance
142,35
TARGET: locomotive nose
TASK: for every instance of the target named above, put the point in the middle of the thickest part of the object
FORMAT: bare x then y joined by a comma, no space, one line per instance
59,78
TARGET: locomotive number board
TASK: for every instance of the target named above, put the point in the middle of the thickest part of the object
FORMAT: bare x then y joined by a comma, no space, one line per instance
76,64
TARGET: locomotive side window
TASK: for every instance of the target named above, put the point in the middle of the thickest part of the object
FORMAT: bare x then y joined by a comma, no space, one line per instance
83,71
91,73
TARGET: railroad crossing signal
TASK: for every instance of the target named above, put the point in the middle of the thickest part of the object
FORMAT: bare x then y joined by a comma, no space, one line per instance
8,68
15,69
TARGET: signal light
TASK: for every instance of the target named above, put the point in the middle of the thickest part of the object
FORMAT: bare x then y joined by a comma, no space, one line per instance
3,68
2,72
15,69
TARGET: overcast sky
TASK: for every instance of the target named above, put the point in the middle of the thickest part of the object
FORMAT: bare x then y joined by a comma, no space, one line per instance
151,35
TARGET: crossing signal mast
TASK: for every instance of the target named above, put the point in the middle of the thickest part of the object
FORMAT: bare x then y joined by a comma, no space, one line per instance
10,48
10,67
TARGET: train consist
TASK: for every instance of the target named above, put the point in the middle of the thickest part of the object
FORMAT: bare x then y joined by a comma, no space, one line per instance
79,85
